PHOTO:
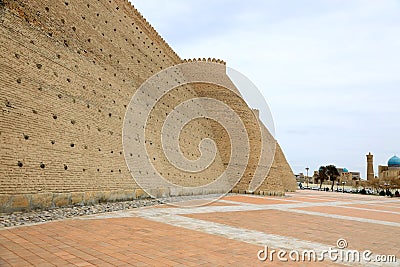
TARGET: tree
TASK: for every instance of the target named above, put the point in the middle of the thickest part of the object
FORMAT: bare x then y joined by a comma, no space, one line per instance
375,184
322,175
332,173
394,183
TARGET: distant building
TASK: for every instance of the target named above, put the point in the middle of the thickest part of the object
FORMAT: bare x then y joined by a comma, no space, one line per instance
299,177
315,177
370,166
350,178
391,171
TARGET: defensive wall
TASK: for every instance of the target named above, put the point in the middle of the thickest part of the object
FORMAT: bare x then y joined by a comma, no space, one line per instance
68,70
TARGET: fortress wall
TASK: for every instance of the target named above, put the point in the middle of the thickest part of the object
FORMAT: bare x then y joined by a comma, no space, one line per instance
67,74
68,71
279,176
189,137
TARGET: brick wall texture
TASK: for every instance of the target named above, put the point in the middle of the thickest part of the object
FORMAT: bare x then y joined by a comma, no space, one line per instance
68,71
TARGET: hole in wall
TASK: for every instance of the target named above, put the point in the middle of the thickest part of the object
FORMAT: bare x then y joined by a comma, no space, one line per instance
20,164
72,145
26,137
42,165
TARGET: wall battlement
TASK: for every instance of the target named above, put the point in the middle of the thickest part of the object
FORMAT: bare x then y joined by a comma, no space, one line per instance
209,60
151,31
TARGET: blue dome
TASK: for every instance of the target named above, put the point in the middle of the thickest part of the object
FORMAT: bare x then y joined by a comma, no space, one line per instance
345,170
394,162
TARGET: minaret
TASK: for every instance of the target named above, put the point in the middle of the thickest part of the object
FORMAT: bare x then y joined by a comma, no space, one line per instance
370,166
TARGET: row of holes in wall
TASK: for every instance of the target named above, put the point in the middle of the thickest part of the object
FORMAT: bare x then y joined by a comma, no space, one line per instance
65,167
39,66
72,145
60,96
73,121
126,39
19,80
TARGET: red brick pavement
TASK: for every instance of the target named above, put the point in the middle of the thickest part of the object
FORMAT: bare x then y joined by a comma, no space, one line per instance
135,241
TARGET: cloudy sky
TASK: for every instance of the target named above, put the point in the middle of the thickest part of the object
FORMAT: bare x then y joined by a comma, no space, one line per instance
328,69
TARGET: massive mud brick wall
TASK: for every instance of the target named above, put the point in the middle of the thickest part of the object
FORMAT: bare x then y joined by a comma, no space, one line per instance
68,70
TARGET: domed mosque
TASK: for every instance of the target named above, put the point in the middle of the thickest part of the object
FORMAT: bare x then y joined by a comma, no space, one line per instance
394,162
392,170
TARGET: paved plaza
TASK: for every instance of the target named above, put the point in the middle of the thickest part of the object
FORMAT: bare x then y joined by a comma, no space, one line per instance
235,231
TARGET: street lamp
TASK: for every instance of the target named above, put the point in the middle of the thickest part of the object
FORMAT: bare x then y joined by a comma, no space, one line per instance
307,175
343,183
337,186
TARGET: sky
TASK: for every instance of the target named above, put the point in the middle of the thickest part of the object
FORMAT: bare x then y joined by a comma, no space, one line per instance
328,69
